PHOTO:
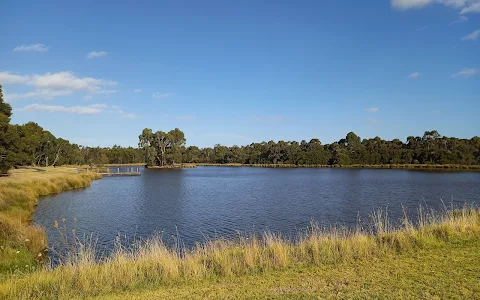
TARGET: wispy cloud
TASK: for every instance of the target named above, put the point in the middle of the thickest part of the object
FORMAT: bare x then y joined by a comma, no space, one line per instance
184,117
129,116
122,114
44,94
95,54
372,110
162,96
372,121
465,72
414,75
422,28
31,48
461,19
137,91
50,85
270,118
471,8
81,110
472,36
409,4
465,6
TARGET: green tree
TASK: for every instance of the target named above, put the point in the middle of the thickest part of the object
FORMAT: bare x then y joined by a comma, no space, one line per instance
5,155
161,148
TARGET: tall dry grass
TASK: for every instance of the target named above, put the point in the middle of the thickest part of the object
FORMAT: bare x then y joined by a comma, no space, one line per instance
21,243
152,263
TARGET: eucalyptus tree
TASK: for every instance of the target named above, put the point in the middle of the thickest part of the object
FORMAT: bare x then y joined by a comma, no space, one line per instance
161,148
5,154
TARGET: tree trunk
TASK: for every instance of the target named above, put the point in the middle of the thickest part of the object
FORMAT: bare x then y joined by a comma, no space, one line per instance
57,155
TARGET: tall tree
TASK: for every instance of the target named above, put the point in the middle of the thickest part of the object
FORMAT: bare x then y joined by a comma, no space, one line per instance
5,154
162,148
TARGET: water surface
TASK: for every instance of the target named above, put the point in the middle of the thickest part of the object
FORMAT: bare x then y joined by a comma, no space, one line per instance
206,202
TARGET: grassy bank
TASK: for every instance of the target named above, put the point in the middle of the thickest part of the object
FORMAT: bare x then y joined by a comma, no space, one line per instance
373,251
360,166
22,243
445,271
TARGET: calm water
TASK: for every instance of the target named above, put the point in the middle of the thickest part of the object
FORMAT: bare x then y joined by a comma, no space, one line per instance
193,204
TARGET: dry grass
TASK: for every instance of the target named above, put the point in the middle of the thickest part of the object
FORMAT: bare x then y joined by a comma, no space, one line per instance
152,264
22,243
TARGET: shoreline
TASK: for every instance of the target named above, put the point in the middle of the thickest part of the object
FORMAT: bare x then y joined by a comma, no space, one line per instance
426,167
357,166
178,166
152,266
23,243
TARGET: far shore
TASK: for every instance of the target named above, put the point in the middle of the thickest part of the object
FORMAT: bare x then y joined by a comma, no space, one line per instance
447,167
357,166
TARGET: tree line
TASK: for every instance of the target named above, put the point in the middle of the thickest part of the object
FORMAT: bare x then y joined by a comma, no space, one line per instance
431,148
31,145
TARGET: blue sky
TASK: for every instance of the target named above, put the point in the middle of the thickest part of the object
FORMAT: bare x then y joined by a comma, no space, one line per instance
236,72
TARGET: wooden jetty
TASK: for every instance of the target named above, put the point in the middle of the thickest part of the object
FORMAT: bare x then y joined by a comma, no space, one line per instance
132,171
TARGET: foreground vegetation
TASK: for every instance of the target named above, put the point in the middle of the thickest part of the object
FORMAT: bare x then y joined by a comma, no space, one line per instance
448,270
22,243
359,257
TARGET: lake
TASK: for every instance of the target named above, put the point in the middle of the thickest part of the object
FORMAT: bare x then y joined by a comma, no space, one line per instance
207,202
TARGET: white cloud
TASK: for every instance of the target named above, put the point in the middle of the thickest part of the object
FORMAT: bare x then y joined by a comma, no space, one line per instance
372,109
128,116
372,121
32,47
94,54
118,110
50,85
162,96
81,110
472,8
461,19
472,36
137,91
408,4
45,94
184,117
465,72
8,78
414,75
270,118
465,6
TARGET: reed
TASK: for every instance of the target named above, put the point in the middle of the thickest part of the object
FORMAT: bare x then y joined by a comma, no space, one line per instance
22,243
152,264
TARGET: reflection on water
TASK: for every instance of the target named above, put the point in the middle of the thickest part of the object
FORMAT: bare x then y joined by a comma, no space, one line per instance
206,202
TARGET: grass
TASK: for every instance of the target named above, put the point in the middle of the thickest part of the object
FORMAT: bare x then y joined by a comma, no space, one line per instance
356,166
446,271
368,261
22,243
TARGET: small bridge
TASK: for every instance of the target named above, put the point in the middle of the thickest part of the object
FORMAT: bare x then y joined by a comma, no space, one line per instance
131,171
